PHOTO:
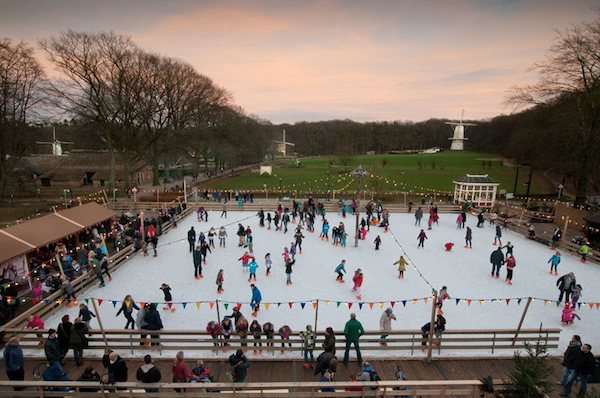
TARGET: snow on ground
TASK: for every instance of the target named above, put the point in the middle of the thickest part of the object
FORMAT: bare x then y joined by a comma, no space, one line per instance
465,272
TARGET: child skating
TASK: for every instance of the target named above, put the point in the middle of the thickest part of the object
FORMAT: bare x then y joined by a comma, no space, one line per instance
168,298
268,263
341,270
401,267
252,267
219,282
568,315
358,281
554,261
421,238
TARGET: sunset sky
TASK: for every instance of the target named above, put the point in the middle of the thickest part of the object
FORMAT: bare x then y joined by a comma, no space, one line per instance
288,61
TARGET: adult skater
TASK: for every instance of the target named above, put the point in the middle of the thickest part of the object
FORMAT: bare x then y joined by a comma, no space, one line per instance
245,259
353,330
261,218
268,263
497,260
469,238
511,263
168,298
565,284
418,216
224,210
256,299
377,242
219,282
421,238
498,237
288,270
554,261
127,308
480,220
191,238
211,237
298,238
339,269
401,267
197,257
222,236
241,233
556,235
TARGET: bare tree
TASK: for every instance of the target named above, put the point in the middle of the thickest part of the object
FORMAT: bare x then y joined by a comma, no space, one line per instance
21,78
571,72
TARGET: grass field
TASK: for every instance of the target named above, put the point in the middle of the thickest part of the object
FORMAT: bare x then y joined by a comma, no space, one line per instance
414,172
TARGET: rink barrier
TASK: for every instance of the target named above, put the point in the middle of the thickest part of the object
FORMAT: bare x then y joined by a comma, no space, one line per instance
409,341
416,388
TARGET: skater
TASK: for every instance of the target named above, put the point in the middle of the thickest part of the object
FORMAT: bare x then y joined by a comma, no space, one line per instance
298,236
127,308
268,263
308,345
261,218
204,248
358,281
468,238
252,267
191,238
531,232
85,314
222,236
565,284
421,238
285,254
401,267
480,220
285,220
249,241
219,282
339,269
288,271
497,260
245,259
385,324
325,230
442,296
224,210
554,261
197,257
448,246
293,251
377,242
211,237
256,299
459,221
241,232
418,216
556,235
509,249
498,237
568,315
584,251
269,221
363,233
167,292
576,294
511,263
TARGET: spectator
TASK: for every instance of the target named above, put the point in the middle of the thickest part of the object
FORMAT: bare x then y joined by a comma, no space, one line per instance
153,324
51,348
583,367
78,340
353,330
55,372
385,324
141,323
368,374
329,342
323,362
214,329
13,361
327,378
36,323
201,373
571,353
90,375
239,366
148,373
64,334
308,340
117,368
181,372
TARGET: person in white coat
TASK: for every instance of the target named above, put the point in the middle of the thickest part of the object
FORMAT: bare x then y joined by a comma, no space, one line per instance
385,324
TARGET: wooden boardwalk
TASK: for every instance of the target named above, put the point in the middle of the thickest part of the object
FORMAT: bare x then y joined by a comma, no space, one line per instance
292,370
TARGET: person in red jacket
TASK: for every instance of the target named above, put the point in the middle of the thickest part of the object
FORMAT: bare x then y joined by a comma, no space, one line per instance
358,281
511,263
36,323
181,372
421,238
245,259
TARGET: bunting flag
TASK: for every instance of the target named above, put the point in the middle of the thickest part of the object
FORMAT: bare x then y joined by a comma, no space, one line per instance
239,306
349,304
290,304
328,302
314,304
86,300
360,305
519,301
414,301
226,305
480,302
392,303
457,301
198,304
278,305
591,305
426,300
469,302
59,301
381,304
302,305
597,305
545,302
46,301
184,304
371,305
338,304
114,303
404,303
267,305
100,301
170,305
578,305
507,301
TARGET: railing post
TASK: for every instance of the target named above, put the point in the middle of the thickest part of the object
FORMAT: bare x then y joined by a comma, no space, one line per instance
521,321
412,345
131,342
493,342
431,326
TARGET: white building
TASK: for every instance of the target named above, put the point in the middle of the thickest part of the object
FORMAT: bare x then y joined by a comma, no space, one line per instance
480,190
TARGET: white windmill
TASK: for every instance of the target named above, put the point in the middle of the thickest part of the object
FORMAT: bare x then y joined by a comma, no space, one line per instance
282,145
459,133
56,144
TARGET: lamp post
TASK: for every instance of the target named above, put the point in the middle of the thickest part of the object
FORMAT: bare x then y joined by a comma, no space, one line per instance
560,190
359,174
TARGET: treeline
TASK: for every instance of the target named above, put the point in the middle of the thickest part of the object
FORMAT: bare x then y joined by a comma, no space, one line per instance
137,105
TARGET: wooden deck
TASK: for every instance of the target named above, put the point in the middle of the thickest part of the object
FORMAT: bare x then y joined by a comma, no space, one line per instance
292,370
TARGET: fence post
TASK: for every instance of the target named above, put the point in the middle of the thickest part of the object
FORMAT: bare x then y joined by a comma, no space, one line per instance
316,315
100,322
219,338
493,342
431,326
564,233
521,321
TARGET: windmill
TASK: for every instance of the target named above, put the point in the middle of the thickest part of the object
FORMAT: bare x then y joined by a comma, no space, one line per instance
459,133
282,145
56,144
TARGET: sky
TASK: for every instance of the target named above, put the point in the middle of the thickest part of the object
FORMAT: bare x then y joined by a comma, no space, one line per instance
290,61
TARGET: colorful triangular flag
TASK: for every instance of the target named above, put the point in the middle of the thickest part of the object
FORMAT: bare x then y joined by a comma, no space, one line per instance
371,305
226,305
170,305
507,301
349,305
338,304
360,305
392,303
469,301
591,306
302,305
404,303
519,301
183,305
198,304
290,304
114,303
267,305
314,304
100,301
381,304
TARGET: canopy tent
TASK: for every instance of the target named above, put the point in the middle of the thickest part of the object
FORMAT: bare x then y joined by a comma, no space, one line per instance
28,236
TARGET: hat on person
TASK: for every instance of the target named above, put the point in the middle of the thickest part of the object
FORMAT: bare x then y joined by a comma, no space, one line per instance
329,330
51,332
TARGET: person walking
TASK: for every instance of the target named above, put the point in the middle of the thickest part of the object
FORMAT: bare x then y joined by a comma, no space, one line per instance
385,324
191,236
565,284
13,361
569,356
583,368
353,330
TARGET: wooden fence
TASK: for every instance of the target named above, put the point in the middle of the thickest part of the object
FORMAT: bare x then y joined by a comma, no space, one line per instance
425,388
407,342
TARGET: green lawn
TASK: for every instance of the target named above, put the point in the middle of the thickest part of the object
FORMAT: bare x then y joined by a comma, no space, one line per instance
415,172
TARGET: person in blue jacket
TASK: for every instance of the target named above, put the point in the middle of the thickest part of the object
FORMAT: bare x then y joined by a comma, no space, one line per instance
554,261
256,299
339,269
13,361
252,267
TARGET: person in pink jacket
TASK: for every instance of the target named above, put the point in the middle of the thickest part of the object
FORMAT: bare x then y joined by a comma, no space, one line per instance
568,315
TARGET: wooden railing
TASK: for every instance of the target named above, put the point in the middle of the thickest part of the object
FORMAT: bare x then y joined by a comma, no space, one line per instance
405,341
424,388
